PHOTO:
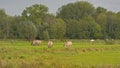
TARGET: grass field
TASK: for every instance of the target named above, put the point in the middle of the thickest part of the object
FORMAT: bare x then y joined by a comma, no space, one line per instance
82,54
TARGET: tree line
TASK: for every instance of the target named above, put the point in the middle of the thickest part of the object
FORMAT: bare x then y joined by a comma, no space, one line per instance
78,20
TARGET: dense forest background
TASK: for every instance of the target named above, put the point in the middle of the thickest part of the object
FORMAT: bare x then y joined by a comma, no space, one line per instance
78,20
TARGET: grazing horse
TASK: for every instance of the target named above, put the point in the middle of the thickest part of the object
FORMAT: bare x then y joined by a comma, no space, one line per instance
50,44
68,43
36,42
92,41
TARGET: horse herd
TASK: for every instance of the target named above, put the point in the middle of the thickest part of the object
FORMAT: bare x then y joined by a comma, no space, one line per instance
50,43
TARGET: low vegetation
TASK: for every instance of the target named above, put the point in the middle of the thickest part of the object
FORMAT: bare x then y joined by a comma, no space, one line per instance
82,54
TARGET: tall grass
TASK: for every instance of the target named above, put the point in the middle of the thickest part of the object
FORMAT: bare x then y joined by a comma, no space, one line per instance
82,54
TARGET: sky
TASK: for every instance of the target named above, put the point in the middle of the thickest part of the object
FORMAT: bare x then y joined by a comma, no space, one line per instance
16,7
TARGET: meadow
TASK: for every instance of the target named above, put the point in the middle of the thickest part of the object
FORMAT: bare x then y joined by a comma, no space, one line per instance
82,54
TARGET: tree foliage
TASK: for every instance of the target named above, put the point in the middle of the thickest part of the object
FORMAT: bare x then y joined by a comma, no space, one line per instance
78,20
76,10
35,13
27,30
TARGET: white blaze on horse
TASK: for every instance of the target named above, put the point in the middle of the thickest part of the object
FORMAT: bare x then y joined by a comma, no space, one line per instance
68,43
50,44
36,42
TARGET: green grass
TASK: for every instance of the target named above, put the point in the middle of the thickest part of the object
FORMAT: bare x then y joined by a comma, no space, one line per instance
82,54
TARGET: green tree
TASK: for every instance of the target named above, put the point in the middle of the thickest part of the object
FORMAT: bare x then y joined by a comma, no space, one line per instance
89,28
46,35
52,28
100,10
35,13
4,24
60,28
83,29
113,25
101,19
56,27
14,22
72,28
76,10
27,30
